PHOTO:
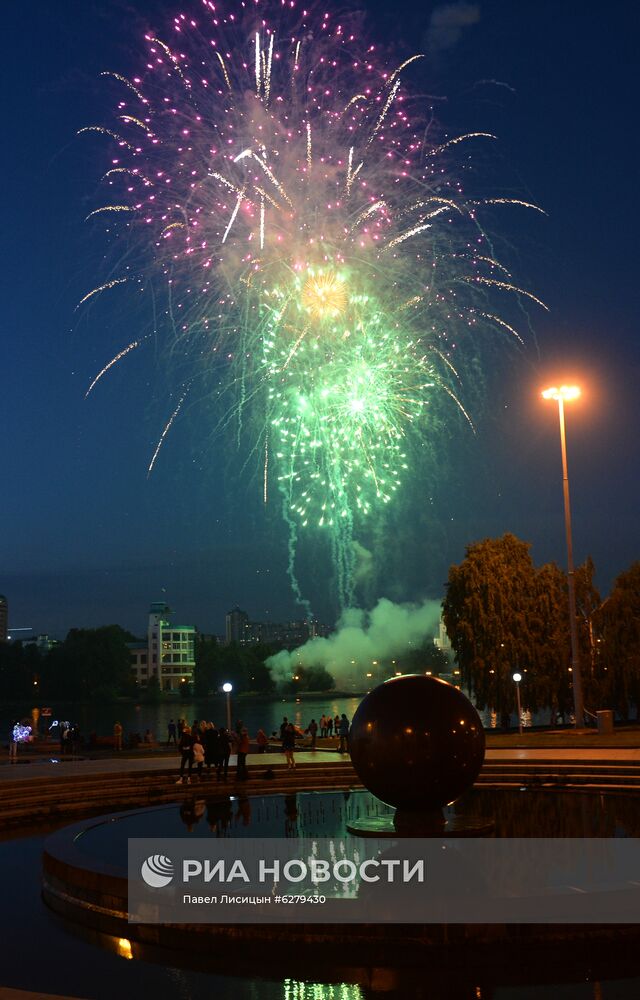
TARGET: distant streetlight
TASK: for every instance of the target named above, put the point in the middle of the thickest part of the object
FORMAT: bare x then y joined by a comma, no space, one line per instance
517,678
561,394
228,688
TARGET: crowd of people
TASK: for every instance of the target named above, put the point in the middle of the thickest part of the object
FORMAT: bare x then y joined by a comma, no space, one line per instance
206,748
205,745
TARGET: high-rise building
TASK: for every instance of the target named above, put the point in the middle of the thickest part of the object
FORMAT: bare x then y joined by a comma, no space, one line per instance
4,619
168,654
236,622
286,635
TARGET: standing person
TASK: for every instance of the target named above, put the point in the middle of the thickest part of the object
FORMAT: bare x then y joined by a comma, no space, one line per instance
323,726
336,725
289,745
210,742
313,733
224,752
117,736
283,726
343,733
198,755
329,726
171,733
180,728
262,741
185,746
243,749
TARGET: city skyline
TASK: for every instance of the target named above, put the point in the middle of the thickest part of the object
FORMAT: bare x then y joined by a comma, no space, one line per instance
249,631
88,538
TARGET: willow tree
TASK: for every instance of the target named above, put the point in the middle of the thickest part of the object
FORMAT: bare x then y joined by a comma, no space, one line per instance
488,612
503,615
550,680
616,627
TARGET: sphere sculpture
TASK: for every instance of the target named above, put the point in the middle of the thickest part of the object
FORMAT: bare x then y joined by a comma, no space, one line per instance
417,743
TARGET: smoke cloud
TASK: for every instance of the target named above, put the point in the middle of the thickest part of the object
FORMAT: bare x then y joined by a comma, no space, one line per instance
447,24
364,564
361,637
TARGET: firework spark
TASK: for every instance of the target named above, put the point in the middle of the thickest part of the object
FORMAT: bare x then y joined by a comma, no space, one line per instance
101,288
110,364
326,266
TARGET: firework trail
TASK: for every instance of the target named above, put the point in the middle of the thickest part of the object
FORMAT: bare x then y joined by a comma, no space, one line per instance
325,266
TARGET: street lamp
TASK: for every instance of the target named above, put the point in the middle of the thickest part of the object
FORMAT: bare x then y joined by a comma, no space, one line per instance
517,678
228,688
561,394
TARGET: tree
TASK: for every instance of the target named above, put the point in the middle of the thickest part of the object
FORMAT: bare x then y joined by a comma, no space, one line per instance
503,615
243,666
488,616
588,602
20,666
312,678
549,684
616,633
428,658
89,663
206,677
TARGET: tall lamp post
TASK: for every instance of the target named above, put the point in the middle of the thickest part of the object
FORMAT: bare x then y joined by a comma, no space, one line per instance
228,688
516,679
563,394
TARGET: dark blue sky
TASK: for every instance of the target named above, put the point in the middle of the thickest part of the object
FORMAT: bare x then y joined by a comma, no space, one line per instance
87,539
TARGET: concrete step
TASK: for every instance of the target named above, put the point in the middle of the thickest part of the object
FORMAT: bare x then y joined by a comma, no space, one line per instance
123,793
40,803
102,782
571,765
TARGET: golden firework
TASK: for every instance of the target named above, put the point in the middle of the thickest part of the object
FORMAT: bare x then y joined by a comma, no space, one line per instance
324,295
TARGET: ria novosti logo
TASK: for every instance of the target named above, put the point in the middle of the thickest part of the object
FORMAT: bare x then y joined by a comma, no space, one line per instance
157,871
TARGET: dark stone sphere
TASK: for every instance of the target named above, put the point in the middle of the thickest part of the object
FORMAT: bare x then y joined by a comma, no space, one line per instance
416,742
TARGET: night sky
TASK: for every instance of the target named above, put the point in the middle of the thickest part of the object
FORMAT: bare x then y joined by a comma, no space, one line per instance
87,539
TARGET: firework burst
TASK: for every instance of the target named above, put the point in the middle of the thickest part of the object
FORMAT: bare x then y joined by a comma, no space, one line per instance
326,269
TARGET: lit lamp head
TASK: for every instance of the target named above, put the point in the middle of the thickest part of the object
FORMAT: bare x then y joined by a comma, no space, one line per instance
517,678
564,393
227,688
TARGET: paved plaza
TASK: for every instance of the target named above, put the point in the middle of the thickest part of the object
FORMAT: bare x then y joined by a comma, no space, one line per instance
38,767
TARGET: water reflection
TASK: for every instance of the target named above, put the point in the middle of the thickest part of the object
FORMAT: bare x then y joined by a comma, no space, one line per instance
524,813
219,815
595,976
532,813
191,812
294,989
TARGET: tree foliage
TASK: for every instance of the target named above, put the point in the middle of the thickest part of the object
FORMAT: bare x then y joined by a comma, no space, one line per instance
90,663
20,670
615,659
503,615
242,666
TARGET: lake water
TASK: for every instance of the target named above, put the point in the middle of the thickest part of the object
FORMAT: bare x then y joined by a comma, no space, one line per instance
255,713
